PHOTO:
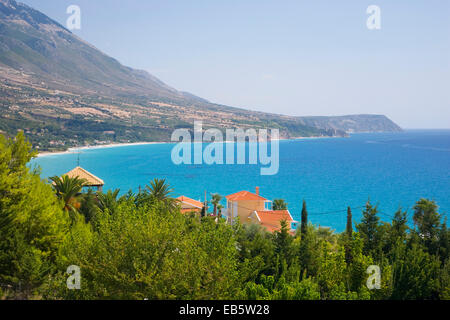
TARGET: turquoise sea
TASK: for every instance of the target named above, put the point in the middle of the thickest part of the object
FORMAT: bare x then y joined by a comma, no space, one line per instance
392,169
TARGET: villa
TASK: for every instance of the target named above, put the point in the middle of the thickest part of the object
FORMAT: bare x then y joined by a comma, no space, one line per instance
190,205
271,219
253,208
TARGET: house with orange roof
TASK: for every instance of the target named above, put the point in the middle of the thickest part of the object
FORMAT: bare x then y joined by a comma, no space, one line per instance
189,205
242,204
271,219
252,208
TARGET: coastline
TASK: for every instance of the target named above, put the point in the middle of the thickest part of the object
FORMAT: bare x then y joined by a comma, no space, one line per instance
74,150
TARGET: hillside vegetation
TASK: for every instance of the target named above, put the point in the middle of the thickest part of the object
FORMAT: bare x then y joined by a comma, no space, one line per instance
140,246
63,92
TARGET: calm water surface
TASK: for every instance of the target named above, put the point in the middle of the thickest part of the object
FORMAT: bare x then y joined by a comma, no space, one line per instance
392,169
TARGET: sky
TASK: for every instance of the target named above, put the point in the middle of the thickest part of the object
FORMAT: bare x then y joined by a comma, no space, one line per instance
299,57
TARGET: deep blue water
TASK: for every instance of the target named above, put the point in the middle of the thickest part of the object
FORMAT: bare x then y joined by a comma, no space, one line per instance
393,169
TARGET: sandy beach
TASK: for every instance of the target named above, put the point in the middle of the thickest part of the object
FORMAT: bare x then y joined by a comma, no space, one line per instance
116,145
102,146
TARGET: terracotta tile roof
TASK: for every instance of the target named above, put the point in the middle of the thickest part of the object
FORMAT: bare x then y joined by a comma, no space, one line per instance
244,195
91,180
190,201
196,210
271,219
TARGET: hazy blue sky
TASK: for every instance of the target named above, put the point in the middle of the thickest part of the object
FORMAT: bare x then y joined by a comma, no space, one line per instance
297,57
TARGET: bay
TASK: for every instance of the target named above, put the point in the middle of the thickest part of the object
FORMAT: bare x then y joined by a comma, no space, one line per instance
392,169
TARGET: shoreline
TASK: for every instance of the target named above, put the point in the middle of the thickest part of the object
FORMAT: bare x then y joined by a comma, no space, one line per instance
74,150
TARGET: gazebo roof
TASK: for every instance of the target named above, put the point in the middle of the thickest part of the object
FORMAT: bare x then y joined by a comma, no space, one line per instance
81,173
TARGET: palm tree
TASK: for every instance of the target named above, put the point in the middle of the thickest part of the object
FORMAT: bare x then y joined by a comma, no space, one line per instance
161,191
68,190
108,200
219,208
89,205
216,198
279,204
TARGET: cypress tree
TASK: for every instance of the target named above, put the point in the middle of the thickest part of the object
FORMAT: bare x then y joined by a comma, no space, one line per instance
203,212
304,226
349,236
306,254
349,228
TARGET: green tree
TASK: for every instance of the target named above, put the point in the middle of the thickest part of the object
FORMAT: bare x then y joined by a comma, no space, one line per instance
349,226
108,201
279,204
32,223
283,247
415,274
68,190
203,211
304,222
444,292
309,251
89,205
332,269
369,229
307,289
427,220
348,236
256,250
144,252
396,232
444,242
160,191
219,208
132,248
356,271
399,224
216,198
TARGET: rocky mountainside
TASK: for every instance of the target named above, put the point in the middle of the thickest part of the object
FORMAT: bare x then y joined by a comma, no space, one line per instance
354,123
63,92
46,51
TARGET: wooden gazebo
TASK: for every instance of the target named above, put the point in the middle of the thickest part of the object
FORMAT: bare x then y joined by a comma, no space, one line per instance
91,180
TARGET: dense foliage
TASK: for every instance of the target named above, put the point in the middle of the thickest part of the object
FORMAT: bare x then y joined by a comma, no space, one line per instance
139,246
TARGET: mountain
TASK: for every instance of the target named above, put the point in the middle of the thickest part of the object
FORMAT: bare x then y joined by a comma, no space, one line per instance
63,92
36,45
354,123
